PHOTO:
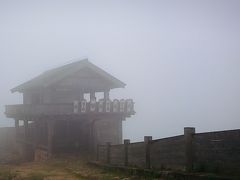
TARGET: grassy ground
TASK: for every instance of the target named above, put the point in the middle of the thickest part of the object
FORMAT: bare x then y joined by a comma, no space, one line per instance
74,168
61,168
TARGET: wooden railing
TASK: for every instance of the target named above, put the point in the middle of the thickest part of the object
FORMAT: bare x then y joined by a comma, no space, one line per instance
125,107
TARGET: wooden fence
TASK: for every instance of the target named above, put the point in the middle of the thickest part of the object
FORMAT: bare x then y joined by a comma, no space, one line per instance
210,152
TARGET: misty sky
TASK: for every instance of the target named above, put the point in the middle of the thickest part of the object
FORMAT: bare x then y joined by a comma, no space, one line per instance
180,59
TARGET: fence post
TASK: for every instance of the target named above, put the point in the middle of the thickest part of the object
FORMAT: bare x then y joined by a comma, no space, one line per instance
126,142
108,152
147,141
189,151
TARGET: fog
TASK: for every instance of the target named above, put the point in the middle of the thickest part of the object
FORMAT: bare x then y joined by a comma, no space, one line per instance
179,59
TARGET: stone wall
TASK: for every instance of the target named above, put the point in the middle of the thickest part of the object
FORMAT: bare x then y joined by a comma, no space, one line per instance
136,154
208,152
102,153
117,155
168,153
8,146
217,151
11,149
7,138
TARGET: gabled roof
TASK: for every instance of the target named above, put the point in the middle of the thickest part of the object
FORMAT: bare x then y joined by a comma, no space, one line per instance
51,76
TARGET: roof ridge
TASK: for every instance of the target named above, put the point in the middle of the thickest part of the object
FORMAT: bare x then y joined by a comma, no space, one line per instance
63,71
67,64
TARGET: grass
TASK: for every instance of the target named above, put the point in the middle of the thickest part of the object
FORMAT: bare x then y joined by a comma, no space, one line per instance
61,168
7,174
77,168
35,176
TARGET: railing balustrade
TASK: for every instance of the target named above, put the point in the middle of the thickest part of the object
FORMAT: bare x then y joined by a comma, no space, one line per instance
77,107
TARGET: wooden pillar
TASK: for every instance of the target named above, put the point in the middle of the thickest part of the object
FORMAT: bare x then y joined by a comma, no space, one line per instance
81,95
35,133
126,143
147,141
189,151
16,128
90,137
106,94
92,141
25,123
108,144
97,153
120,138
25,145
16,123
51,124
92,95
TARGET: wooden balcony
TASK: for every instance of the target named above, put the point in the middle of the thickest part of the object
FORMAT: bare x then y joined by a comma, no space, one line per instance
123,108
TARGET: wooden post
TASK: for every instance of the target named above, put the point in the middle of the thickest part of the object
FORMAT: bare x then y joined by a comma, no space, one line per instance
35,134
92,95
25,130
81,95
108,144
91,138
50,124
147,141
25,145
106,94
97,153
189,152
16,128
126,143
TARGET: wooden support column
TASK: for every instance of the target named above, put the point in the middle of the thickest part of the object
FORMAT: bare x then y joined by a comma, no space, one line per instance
120,138
51,125
25,145
97,152
147,141
35,133
92,95
25,123
92,141
106,94
16,128
108,158
81,95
